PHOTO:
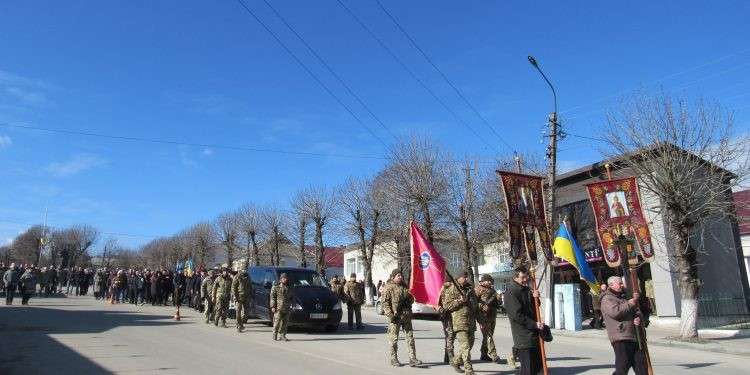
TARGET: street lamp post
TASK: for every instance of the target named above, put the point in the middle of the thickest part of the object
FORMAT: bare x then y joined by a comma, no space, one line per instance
551,152
547,268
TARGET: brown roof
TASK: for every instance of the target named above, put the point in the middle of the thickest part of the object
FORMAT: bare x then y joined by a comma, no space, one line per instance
742,205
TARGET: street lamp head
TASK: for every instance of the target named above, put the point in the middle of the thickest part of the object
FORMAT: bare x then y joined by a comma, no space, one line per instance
532,60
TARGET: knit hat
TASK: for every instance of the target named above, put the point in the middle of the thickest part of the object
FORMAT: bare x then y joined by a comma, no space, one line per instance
487,277
394,273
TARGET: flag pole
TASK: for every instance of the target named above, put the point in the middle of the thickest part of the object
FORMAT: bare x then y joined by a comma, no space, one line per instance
537,310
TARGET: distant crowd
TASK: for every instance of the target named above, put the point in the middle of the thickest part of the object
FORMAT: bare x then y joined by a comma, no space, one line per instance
156,287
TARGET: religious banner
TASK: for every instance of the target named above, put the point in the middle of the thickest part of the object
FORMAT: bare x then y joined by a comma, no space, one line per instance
524,198
617,209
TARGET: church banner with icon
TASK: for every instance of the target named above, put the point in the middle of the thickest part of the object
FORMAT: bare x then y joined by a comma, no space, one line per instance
617,209
524,198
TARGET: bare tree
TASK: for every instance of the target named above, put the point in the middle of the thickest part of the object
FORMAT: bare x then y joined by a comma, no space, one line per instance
110,251
362,216
462,213
250,222
203,239
81,238
319,207
227,229
298,221
394,220
27,246
274,238
417,179
681,153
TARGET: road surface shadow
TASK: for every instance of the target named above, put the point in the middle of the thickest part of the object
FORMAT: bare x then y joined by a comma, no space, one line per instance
26,346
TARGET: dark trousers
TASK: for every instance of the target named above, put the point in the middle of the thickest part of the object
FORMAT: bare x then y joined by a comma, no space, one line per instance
9,291
628,355
531,361
25,296
356,311
597,321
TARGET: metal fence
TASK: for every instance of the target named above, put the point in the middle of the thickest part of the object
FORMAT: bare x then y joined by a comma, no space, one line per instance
723,312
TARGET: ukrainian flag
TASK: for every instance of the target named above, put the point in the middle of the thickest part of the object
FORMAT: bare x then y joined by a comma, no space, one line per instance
565,247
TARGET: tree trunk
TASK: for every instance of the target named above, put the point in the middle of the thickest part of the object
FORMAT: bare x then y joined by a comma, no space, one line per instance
466,256
689,284
369,252
256,252
303,257
321,263
428,223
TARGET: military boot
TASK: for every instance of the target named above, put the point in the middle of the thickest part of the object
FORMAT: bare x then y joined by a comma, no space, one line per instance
275,337
283,338
395,362
415,362
457,368
223,324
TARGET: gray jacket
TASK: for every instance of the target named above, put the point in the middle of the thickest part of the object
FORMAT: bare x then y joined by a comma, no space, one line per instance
11,276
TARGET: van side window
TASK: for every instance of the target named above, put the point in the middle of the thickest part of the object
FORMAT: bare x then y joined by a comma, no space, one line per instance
269,277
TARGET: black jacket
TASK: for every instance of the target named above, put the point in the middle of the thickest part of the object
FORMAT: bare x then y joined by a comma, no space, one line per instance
520,308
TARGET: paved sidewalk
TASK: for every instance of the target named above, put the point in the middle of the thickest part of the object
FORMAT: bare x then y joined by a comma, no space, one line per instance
731,341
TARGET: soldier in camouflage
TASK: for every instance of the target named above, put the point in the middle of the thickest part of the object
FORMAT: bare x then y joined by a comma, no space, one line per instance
397,301
445,318
461,303
220,293
281,304
242,291
355,297
207,287
487,316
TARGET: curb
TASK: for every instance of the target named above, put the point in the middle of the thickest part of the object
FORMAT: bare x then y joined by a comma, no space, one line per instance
664,342
708,347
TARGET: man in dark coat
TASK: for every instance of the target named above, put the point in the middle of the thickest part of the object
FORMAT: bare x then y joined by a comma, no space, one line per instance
523,325
10,279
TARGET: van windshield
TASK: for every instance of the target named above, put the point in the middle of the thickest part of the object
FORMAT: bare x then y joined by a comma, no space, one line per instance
304,278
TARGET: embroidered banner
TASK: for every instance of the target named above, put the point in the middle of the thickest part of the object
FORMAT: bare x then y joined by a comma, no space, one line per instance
524,198
617,209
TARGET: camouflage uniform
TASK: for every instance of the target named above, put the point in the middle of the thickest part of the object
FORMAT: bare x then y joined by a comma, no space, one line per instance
462,306
355,297
242,291
448,333
397,301
220,293
487,316
281,300
207,286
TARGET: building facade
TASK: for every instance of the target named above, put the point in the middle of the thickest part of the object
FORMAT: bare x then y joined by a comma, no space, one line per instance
722,274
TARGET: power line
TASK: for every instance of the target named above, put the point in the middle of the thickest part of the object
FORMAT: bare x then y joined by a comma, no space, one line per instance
412,74
688,70
182,143
310,72
330,70
444,77
209,145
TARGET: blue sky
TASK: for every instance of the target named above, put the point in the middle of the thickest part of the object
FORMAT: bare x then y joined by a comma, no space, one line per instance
207,73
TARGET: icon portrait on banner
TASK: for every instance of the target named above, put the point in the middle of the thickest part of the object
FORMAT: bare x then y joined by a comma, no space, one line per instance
617,204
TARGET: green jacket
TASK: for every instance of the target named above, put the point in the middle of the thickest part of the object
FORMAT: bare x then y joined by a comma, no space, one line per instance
242,289
463,312
519,305
221,289
355,292
207,287
397,301
281,297
487,300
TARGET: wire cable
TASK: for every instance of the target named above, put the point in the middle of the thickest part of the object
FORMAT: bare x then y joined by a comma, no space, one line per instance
444,77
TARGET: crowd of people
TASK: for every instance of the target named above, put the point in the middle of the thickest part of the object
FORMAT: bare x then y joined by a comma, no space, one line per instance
463,308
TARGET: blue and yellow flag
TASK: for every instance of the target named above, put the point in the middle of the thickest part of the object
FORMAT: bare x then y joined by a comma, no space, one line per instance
565,247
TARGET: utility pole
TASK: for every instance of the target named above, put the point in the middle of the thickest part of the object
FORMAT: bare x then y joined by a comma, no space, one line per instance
551,208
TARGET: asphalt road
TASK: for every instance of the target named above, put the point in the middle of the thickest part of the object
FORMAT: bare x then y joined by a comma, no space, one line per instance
81,336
